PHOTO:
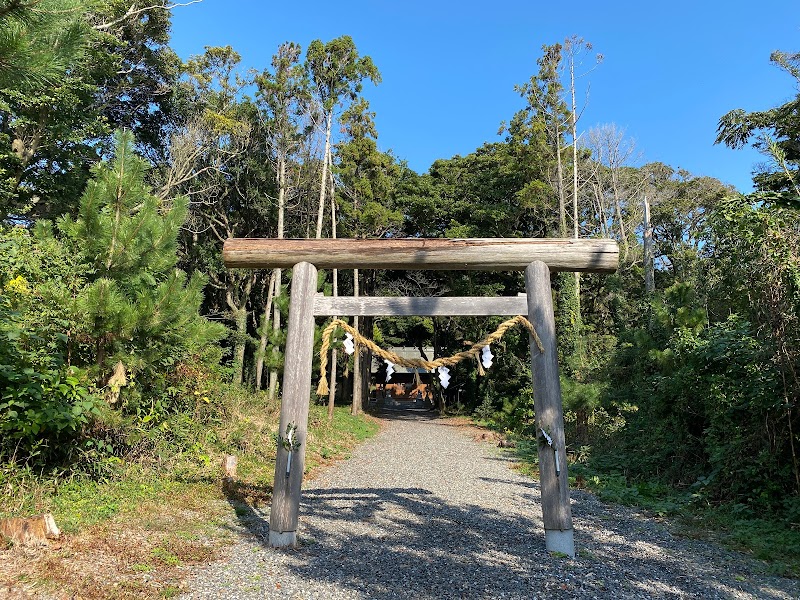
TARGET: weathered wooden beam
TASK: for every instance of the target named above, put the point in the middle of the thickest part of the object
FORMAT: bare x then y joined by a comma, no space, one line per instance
556,511
486,254
294,407
375,306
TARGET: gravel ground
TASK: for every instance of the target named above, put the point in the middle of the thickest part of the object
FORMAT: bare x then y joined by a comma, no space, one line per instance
424,511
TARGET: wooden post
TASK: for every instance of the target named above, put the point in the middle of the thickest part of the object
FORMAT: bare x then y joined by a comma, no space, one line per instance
294,406
556,511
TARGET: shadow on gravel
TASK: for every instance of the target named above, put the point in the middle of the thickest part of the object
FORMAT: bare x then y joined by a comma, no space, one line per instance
404,414
406,542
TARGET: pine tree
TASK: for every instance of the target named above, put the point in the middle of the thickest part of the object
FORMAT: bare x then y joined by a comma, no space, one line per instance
136,308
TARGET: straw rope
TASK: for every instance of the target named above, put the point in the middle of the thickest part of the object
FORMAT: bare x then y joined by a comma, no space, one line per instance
415,363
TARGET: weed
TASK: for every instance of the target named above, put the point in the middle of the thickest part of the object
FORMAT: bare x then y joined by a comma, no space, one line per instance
162,506
169,592
165,556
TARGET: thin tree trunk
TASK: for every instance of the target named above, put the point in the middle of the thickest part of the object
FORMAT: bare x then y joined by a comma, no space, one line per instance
239,314
332,378
240,317
265,319
575,171
276,318
562,203
623,238
323,180
649,271
355,407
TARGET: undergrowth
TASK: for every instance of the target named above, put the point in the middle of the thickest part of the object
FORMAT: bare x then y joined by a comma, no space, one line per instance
774,539
159,504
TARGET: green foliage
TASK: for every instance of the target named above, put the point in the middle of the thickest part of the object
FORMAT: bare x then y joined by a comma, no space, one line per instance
337,71
71,71
137,308
40,40
774,132
44,404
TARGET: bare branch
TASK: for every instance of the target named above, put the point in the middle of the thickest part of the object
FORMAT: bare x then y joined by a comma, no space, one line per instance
133,11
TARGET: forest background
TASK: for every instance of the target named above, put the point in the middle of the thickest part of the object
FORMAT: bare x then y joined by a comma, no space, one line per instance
123,169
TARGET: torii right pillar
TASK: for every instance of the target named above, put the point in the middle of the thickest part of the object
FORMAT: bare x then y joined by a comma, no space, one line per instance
554,483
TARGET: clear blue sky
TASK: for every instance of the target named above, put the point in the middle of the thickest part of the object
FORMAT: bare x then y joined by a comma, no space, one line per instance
671,69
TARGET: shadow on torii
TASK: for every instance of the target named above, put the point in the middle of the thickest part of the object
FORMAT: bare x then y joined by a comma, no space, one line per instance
537,257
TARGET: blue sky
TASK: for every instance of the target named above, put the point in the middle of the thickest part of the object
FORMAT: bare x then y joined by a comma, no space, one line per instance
670,69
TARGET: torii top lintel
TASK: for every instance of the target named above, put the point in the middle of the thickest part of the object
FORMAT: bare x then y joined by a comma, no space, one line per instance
477,254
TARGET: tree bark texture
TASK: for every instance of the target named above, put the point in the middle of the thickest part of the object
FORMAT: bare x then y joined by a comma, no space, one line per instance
294,406
481,254
556,511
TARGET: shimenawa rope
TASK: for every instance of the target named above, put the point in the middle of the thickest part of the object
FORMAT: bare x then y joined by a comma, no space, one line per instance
414,363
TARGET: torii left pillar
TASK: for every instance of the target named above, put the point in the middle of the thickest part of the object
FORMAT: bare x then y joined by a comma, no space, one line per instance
283,516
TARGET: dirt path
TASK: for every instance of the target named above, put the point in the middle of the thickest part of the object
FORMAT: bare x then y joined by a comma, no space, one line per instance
424,511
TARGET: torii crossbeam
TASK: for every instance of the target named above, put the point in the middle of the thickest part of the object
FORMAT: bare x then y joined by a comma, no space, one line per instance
537,257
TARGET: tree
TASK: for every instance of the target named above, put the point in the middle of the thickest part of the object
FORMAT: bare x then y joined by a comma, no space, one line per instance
231,180
107,67
283,99
40,40
540,126
612,179
337,74
774,132
137,72
136,308
366,178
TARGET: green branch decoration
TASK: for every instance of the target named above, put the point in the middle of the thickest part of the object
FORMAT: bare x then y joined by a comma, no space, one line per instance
290,443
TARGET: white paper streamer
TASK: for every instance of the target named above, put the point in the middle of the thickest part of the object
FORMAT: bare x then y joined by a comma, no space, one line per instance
389,369
348,344
486,357
444,376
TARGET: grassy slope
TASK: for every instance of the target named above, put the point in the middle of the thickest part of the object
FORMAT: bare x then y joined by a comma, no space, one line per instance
128,534
775,541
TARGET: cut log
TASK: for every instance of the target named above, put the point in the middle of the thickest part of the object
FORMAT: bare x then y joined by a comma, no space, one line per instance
556,510
30,531
229,463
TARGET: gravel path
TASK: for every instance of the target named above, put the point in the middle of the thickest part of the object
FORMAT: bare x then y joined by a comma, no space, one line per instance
423,511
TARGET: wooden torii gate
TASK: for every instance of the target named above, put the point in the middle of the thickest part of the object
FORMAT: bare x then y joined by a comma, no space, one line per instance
537,257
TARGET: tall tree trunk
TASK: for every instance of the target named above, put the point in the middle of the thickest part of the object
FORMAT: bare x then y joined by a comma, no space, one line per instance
623,237
355,407
240,318
323,180
239,314
366,362
562,202
332,378
649,270
276,318
576,229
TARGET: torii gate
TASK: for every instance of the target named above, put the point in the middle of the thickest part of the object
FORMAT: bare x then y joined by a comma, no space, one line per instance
537,257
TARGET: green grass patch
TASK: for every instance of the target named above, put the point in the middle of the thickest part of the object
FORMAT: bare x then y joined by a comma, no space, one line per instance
776,540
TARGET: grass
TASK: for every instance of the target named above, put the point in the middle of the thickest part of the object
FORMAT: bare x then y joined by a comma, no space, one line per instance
129,533
775,541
